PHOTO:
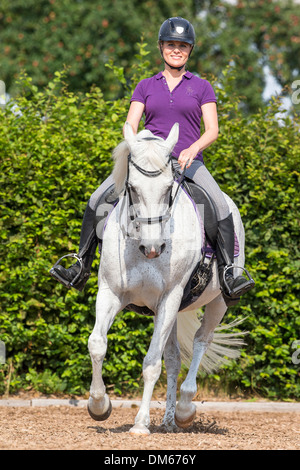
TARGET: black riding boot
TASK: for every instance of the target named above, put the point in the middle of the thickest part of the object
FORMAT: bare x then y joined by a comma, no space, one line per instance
77,275
91,233
232,287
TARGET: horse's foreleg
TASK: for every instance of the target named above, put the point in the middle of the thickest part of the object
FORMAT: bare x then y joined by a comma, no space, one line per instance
151,373
173,364
107,306
163,325
185,409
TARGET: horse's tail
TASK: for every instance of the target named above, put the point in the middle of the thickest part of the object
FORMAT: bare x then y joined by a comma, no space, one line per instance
225,346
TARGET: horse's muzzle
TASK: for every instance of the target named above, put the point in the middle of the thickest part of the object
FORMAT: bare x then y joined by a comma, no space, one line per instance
152,250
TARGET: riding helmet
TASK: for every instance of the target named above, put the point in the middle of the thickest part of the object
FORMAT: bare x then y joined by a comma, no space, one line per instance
177,29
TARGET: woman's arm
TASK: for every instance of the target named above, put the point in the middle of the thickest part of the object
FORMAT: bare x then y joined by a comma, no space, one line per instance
135,114
210,119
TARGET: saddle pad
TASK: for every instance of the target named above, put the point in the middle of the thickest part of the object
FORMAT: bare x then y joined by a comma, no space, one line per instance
206,248
209,251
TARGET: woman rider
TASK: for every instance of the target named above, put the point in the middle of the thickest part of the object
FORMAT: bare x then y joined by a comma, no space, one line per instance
174,95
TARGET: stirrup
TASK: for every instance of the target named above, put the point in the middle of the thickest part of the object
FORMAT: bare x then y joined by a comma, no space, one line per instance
239,290
54,274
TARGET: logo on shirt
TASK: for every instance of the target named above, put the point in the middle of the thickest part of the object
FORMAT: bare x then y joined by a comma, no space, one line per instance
189,91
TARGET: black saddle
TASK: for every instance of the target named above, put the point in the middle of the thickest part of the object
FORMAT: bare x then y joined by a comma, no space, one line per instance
206,208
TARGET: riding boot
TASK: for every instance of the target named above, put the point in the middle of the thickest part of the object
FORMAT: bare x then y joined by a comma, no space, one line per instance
77,275
232,287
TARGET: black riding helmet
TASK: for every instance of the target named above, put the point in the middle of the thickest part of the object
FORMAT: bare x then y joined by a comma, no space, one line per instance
177,29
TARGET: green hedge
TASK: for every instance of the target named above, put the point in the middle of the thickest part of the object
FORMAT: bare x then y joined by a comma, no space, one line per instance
53,156
256,162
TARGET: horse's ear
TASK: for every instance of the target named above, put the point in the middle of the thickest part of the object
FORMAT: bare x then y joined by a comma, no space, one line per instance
173,136
128,133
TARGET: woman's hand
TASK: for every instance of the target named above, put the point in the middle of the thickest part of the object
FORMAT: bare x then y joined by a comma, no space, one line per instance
210,118
187,156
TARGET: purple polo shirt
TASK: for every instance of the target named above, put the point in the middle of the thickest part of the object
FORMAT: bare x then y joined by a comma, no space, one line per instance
183,105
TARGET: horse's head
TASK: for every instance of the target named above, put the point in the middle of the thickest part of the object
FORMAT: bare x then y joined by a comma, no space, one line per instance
149,186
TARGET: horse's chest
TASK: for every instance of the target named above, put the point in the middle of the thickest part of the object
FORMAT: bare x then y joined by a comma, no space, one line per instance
145,279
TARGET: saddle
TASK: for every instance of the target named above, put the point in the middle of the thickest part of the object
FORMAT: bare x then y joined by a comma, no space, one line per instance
202,274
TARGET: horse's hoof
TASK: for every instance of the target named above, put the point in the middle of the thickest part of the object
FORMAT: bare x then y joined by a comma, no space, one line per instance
185,420
139,429
185,424
100,417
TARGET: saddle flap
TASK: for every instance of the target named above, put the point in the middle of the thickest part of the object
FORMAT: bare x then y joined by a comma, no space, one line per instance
206,209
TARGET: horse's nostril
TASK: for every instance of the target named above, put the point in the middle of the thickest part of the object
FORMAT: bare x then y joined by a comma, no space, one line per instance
152,251
142,249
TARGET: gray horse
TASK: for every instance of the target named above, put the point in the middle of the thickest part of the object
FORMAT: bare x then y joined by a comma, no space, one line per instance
151,245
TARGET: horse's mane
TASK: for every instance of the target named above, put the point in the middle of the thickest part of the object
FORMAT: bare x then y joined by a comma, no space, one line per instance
148,149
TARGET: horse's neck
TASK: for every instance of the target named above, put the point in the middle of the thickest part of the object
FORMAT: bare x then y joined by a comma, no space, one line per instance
187,221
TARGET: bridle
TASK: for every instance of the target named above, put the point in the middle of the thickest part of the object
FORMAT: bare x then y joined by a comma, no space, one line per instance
135,219
150,174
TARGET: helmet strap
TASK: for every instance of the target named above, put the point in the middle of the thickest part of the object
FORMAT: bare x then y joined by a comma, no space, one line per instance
174,68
